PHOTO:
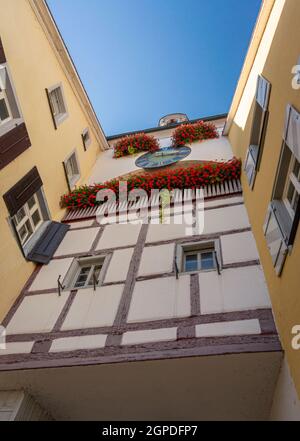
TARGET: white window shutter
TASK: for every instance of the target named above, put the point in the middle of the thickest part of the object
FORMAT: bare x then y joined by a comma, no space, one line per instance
263,92
275,241
292,131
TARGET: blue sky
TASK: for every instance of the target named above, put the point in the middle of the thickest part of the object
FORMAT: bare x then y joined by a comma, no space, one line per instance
142,59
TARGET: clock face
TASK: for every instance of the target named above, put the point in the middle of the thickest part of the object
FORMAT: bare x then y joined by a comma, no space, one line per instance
162,157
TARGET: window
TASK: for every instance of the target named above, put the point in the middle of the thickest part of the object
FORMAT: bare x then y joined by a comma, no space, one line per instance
86,138
259,124
5,112
199,256
14,138
86,272
10,114
57,104
72,170
284,211
199,260
28,219
292,187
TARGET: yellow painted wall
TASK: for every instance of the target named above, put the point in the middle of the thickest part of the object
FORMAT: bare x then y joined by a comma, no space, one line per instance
275,64
34,67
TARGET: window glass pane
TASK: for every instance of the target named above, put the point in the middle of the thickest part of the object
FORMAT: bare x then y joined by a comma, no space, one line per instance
296,170
295,201
23,233
96,271
82,278
74,165
4,113
31,202
207,260
36,218
290,193
57,102
191,262
20,215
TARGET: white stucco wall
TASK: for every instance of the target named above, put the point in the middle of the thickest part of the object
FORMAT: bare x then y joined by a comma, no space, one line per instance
107,167
119,265
160,299
236,289
94,308
239,247
157,260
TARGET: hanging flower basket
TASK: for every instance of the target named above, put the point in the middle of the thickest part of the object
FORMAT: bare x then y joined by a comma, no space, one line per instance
189,133
132,144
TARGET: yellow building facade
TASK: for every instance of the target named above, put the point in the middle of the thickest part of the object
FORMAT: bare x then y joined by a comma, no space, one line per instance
50,104
264,120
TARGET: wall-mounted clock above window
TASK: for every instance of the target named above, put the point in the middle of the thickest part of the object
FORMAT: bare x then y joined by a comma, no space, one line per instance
162,157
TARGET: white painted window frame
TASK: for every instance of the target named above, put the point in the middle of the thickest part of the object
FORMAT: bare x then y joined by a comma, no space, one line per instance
254,152
198,247
292,183
28,218
73,160
74,271
86,143
63,114
12,103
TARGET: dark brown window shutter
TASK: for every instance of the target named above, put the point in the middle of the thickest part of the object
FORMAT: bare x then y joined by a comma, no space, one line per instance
19,194
13,143
2,54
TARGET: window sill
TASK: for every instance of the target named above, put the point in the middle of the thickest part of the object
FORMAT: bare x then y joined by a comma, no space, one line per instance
190,273
60,119
73,181
10,125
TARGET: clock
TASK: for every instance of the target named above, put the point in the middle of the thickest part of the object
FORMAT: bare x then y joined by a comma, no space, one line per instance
162,157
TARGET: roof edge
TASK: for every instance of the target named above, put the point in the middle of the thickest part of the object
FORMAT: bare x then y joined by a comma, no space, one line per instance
159,129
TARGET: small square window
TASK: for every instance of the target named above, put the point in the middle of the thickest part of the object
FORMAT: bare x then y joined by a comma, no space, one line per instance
57,104
86,138
72,171
199,256
86,272
199,260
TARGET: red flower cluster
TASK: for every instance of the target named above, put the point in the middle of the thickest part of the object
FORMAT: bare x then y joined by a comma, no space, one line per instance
196,176
188,133
132,144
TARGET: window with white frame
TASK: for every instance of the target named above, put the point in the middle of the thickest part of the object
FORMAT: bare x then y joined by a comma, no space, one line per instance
284,210
57,104
199,260
198,256
292,187
86,138
28,219
260,119
72,169
10,114
85,272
